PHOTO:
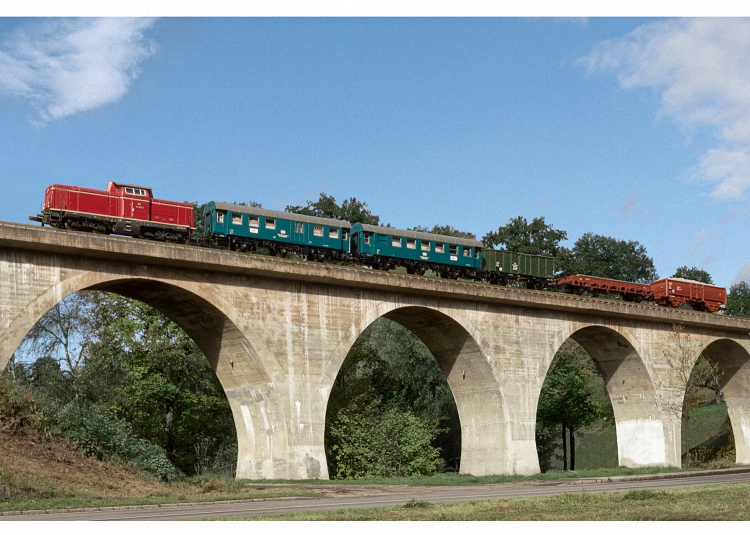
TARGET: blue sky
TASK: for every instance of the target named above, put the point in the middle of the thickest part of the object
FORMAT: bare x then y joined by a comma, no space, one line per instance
635,128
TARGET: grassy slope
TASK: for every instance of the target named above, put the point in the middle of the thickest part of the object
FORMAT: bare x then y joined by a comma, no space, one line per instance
599,449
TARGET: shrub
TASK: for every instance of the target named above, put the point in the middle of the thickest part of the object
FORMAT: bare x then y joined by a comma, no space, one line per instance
104,437
368,443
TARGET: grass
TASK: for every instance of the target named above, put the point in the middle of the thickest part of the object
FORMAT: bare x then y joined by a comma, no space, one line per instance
454,479
195,490
598,449
721,502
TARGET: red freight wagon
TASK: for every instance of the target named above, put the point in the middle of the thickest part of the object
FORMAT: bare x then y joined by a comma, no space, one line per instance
121,209
630,291
678,292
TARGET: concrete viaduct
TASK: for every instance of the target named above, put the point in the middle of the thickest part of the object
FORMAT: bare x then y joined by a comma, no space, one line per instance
277,331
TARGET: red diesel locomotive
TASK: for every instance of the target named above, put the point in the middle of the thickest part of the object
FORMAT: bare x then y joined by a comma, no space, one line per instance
122,209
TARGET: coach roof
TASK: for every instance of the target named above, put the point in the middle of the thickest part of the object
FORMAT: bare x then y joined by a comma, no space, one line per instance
282,215
421,235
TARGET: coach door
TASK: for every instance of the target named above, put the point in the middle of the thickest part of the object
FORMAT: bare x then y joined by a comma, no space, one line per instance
298,236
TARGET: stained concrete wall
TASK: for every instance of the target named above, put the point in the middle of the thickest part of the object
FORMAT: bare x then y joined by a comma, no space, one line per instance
277,332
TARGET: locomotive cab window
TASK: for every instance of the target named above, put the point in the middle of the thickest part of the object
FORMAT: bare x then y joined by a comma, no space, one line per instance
236,219
453,249
253,221
135,191
270,223
333,233
439,247
396,241
425,245
367,239
411,244
220,217
317,230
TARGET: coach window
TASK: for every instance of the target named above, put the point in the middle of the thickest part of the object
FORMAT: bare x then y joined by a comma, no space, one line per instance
220,217
453,249
476,253
467,251
345,234
333,233
270,223
299,228
396,241
236,219
425,245
253,221
439,247
411,244
367,239
317,230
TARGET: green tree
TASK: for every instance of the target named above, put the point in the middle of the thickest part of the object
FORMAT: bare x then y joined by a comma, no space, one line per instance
572,396
143,369
602,256
446,230
60,335
369,442
117,362
738,300
390,366
350,210
693,274
520,236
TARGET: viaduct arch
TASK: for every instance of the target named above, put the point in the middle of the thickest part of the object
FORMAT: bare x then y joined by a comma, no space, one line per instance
276,332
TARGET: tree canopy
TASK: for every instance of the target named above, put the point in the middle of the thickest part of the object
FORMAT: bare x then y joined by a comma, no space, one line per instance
123,366
446,230
386,408
602,256
350,210
693,274
520,236
738,300
573,395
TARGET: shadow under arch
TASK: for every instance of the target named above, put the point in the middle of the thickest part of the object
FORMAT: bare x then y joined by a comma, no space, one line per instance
642,438
733,362
475,389
228,351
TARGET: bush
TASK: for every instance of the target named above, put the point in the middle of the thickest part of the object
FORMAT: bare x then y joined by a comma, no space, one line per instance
20,410
104,437
368,443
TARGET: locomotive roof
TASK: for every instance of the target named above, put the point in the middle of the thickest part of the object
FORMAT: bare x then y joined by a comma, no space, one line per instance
122,185
421,235
282,215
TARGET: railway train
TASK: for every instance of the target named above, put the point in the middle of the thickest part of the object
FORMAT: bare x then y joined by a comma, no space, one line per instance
131,210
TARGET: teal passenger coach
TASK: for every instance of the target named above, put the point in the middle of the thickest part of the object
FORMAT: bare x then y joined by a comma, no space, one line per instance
245,228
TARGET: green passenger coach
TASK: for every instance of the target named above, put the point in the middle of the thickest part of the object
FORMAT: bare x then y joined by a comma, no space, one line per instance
387,248
245,228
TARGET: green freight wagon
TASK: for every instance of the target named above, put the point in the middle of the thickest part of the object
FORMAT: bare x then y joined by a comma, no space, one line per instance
506,266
